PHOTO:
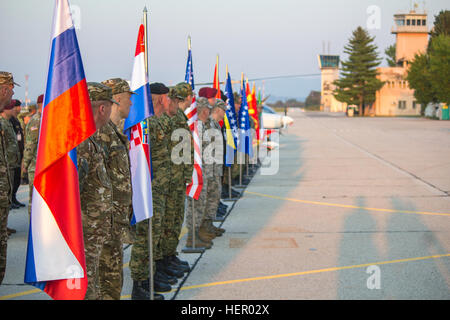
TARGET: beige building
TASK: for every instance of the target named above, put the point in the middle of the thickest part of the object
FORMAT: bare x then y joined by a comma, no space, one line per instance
329,66
395,98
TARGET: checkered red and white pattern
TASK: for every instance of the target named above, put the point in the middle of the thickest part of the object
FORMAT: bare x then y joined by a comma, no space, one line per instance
136,136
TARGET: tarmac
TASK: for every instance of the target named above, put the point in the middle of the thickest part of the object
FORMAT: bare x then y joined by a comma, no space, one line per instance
359,208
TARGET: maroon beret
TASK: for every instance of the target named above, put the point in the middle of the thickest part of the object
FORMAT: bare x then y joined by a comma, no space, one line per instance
40,99
207,92
10,105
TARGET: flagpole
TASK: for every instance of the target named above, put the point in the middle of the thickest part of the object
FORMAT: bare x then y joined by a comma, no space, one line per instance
193,249
150,224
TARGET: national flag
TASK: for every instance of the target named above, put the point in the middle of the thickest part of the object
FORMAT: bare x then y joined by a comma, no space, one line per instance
231,125
253,110
135,127
55,260
193,189
216,85
245,138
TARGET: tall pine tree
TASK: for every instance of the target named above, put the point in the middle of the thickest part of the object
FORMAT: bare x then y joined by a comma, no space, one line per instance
358,83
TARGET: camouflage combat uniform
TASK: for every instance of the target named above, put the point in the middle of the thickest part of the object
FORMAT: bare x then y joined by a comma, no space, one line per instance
6,78
115,145
5,200
214,172
30,150
95,197
180,175
160,159
12,147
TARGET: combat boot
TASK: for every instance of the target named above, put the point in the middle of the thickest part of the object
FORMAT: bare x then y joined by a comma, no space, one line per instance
161,265
163,277
205,234
199,243
172,263
177,260
141,291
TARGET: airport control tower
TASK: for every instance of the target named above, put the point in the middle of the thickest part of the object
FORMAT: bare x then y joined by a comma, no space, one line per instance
411,31
329,66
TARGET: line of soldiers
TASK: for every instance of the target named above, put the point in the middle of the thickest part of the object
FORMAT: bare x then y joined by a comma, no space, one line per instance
106,189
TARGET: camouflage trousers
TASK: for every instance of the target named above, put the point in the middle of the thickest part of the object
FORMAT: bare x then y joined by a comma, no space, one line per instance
30,181
173,220
139,261
3,240
111,259
96,233
213,193
195,209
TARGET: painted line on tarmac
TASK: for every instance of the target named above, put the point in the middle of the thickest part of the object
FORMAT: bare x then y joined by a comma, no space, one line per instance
212,284
277,276
348,205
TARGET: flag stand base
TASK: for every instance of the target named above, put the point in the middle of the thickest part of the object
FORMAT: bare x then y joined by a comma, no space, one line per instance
193,250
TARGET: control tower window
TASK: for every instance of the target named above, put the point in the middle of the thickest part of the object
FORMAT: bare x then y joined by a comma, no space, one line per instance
424,22
408,22
413,22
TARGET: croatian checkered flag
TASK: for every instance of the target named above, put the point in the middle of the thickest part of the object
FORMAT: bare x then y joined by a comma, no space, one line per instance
136,129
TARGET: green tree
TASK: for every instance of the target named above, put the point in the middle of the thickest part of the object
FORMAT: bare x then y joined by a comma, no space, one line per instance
441,26
359,84
390,55
419,78
440,67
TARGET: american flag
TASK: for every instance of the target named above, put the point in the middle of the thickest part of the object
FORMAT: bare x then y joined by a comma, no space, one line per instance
194,189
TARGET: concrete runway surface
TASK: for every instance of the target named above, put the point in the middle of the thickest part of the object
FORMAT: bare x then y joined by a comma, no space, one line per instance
359,209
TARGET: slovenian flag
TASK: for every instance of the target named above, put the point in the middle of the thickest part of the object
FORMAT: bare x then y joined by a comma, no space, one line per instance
55,260
136,128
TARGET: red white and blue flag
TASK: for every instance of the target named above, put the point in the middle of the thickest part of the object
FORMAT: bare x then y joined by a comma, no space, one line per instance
55,259
194,189
137,131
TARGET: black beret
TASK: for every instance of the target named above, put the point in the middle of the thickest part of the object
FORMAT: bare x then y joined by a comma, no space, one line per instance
158,88
18,103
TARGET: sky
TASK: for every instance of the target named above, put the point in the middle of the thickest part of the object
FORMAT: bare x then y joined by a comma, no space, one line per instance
260,38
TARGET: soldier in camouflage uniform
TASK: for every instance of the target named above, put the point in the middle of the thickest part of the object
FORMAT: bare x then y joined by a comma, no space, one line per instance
12,147
160,160
6,92
116,146
30,150
95,189
196,208
214,171
181,173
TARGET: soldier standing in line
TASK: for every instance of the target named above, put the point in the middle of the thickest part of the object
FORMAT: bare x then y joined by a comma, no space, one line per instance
160,160
12,148
116,146
30,150
203,112
18,130
95,189
181,174
6,92
214,171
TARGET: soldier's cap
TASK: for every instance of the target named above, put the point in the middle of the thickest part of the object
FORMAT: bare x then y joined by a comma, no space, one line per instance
18,103
207,92
158,88
180,91
10,105
7,78
118,86
203,102
40,99
100,92
220,104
